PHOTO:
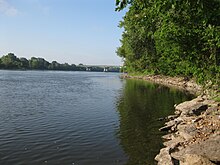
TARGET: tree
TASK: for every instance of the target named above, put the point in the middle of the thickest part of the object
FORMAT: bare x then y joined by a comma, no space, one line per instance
24,63
33,63
10,61
121,4
54,65
172,37
1,66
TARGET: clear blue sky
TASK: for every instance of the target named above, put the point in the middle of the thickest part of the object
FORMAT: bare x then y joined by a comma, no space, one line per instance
73,31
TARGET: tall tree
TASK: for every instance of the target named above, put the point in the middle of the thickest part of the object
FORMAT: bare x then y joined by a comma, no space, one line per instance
172,37
10,61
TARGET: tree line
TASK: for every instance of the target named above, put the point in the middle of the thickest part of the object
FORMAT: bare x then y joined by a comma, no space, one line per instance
171,37
12,62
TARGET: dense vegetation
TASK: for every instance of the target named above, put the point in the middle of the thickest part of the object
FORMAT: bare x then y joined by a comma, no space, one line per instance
172,37
10,61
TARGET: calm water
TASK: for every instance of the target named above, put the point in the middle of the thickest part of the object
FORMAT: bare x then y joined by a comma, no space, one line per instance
80,118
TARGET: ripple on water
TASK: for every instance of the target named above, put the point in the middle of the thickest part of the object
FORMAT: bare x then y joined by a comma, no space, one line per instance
76,118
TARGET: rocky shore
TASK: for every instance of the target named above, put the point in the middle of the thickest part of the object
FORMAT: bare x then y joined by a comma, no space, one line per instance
193,132
178,82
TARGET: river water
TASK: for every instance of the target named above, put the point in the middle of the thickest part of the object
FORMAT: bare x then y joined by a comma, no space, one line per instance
81,118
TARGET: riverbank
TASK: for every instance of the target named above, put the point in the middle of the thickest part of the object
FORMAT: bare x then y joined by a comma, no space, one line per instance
193,133
177,82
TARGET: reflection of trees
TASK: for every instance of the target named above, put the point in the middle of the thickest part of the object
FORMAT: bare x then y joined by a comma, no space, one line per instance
139,107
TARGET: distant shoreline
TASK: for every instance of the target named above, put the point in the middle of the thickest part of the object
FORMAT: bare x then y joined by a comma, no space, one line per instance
58,70
12,62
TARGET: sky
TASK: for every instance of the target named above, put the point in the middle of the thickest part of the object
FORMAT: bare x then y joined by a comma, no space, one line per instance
72,31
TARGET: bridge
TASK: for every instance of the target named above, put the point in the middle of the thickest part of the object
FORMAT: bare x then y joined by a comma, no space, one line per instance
101,68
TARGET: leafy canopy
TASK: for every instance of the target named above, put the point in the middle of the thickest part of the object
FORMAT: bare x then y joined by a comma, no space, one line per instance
172,37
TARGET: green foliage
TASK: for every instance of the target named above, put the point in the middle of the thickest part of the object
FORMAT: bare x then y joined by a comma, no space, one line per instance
10,61
172,38
24,63
121,4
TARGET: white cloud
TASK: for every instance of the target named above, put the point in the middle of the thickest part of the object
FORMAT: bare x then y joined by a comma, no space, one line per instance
7,9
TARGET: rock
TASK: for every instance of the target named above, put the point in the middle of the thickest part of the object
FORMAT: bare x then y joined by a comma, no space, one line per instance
211,110
192,159
187,131
171,125
208,149
199,99
195,137
192,107
210,102
185,135
168,126
171,117
177,112
199,110
173,144
191,129
165,128
164,158
168,137
197,119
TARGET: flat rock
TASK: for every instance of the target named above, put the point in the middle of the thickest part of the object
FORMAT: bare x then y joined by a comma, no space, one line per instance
209,149
165,128
172,144
171,117
191,129
168,126
192,159
186,131
192,107
211,110
185,135
168,137
171,125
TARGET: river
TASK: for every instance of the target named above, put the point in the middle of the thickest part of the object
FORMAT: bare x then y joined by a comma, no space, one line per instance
81,118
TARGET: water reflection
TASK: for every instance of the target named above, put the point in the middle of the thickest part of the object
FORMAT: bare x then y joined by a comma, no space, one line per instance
139,107
61,118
